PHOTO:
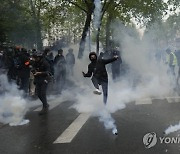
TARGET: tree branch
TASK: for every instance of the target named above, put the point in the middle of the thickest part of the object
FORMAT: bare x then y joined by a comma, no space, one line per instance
75,4
32,7
105,6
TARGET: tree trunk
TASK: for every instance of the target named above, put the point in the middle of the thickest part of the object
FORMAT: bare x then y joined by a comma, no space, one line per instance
84,34
108,32
97,40
39,36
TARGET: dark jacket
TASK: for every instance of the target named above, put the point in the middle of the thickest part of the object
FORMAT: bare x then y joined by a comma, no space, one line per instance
41,66
24,70
59,59
70,59
98,69
116,64
60,64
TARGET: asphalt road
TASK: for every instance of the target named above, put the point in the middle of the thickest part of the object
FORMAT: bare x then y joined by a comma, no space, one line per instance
65,131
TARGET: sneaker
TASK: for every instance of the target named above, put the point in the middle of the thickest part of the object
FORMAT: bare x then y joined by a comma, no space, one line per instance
97,91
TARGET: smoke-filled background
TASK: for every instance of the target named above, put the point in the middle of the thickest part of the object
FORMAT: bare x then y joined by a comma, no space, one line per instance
13,106
143,71
145,77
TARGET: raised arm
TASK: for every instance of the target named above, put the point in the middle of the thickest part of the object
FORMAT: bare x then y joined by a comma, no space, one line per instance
107,61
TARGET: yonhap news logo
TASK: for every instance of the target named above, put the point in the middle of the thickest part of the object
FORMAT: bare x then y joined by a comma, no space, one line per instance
151,139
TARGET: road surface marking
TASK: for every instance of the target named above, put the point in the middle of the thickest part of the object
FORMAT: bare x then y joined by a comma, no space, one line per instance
68,135
144,101
173,99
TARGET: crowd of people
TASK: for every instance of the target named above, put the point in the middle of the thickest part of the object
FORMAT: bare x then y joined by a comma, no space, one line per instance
37,73
34,72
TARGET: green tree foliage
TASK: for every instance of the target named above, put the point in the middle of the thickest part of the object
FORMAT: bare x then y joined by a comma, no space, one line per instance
28,22
15,24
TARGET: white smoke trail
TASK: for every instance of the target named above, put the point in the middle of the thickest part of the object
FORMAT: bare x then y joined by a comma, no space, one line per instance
97,13
172,129
106,118
86,101
12,105
145,78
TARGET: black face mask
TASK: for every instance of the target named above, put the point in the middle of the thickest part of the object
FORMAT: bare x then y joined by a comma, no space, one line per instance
93,60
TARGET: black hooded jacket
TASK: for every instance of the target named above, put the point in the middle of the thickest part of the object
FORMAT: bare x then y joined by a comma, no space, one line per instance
98,68
44,67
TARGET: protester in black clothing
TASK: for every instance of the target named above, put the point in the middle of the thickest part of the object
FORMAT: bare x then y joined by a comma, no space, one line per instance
107,55
41,73
46,52
115,67
70,62
24,70
97,70
59,57
60,70
2,60
50,58
9,62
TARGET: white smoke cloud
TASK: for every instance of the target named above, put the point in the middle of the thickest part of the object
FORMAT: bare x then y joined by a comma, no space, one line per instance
97,13
139,55
172,129
145,77
12,105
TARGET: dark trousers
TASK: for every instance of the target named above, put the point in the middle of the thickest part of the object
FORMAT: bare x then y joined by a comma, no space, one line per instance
115,73
24,84
104,85
41,89
60,81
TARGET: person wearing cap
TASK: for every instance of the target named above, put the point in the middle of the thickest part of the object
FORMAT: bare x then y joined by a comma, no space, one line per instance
41,71
97,70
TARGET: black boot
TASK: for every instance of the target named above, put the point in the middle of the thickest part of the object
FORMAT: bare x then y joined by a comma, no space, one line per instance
44,110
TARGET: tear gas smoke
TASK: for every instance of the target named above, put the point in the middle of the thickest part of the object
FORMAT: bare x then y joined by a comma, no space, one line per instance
109,122
172,129
97,13
145,77
12,105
